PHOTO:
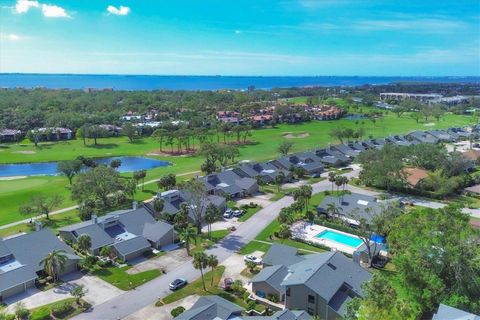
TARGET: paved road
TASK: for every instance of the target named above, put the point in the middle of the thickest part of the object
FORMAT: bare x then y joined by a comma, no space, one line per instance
132,301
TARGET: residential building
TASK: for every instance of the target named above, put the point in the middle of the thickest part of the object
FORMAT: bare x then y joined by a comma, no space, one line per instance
422,137
229,184
414,176
346,150
55,133
387,96
212,308
460,133
351,207
441,135
10,135
173,199
130,233
332,158
445,312
321,283
21,256
373,144
306,160
217,308
398,140
281,254
266,170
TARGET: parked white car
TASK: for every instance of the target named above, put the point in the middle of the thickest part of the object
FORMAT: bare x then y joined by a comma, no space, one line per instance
252,258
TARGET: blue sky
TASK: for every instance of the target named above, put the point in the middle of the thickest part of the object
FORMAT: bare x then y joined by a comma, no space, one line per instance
257,37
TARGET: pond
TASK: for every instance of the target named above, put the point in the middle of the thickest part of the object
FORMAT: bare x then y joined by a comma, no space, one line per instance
354,117
50,168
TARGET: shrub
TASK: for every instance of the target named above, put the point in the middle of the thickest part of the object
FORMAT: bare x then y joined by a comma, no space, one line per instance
177,311
273,298
251,305
20,311
62,309
326,192
246,294
10,317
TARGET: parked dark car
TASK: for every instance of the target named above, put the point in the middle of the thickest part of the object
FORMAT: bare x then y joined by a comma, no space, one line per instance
227,284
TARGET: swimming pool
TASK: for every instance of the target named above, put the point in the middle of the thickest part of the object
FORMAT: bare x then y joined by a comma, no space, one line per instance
340,238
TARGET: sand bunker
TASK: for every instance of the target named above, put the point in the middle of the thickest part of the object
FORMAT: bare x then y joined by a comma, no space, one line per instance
12,178
290,135
25,152
430,124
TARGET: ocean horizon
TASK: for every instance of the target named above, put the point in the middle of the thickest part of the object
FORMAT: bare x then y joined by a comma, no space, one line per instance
194,82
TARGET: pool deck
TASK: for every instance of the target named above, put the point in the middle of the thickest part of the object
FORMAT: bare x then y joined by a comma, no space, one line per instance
305,231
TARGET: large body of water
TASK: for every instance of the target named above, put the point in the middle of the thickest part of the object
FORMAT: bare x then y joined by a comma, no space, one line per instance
129,164
143,82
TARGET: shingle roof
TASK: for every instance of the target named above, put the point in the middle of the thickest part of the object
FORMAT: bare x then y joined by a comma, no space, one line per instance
210,308
353,203
449,313
273,275
155,231
28,250
283,315
131,245
281,254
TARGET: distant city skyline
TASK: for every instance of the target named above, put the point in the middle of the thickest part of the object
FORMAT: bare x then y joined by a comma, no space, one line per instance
251,38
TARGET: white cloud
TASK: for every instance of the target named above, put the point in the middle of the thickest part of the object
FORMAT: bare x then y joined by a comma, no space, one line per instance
53,11
23,6
238,31
9,36
120,11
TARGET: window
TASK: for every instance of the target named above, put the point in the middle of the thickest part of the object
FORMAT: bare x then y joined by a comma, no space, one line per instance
310,310
311,299
288,292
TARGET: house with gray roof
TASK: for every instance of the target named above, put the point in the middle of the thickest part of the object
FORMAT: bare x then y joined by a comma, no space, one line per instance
445,312
346,150
173,200
441,135
20,258
398,140
373,144
323,284
266,170
421,137
281,254
332,158
129,232
460,133
268,282
283,315
306,160
350,206
212,308
229,184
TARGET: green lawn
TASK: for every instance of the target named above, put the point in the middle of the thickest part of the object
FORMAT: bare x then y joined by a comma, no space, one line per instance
124,281
14,193
249,212
43,312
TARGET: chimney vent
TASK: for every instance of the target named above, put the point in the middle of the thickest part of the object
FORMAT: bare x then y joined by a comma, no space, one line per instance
95,218
38,225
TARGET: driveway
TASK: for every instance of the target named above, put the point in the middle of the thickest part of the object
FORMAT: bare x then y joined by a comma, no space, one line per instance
97,292
163,312
168,262
262,200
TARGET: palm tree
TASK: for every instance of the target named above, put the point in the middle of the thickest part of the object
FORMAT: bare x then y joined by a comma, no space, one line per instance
212,262
338,182
332,177
212,214
186,234
200,263
84,243
54,262
332,209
